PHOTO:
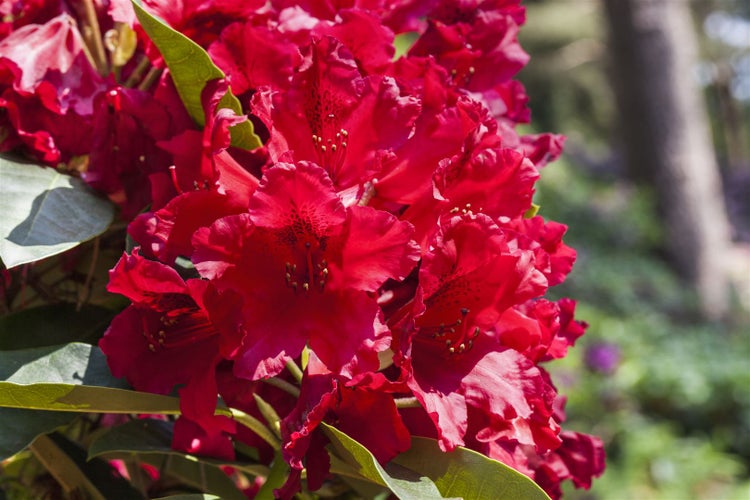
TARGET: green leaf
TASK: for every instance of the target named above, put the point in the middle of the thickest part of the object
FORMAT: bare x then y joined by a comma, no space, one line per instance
468,474
532,211
276,478
67,463
73,363
45,212
85,398
424,471
189,496
53,324
19,427
191,68
149,441
143,437
403,42
350,458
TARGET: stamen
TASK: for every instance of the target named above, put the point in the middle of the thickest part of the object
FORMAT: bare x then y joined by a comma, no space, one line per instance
311,273
457,337
331,149
173,176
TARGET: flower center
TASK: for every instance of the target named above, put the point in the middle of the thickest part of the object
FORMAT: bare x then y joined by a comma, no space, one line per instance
177,328
331,150
456,337
310,270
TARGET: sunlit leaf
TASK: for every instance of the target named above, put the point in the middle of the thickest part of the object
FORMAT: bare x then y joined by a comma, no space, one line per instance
84,398
45,212
73,363
191,68
69,364
467,474
424,471
353,458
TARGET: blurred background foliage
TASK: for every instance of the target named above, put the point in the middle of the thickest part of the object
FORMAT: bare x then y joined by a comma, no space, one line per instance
668,392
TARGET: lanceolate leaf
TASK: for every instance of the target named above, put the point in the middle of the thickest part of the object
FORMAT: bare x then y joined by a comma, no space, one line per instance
19,427
191,68
145,437
66,461
70,364
45,212
424,471
355,458
84,398
73,363
190,496
466,473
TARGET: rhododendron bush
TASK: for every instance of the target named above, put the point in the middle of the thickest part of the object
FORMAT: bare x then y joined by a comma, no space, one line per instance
327,270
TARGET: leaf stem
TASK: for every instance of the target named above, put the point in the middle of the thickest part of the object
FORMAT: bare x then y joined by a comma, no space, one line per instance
256,426
93,36
294,370
151,77
410,402
135,76
84,293
285,386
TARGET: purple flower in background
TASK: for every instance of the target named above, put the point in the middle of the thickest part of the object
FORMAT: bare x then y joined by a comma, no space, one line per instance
603,357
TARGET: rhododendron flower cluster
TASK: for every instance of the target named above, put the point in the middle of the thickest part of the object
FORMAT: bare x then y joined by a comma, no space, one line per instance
380,248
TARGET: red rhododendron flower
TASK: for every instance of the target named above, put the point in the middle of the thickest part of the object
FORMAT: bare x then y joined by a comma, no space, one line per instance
452,359
304,265
338,118
374,265
476,40
366,414
49,88
167,336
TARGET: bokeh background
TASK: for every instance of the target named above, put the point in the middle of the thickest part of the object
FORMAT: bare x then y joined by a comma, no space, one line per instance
663,374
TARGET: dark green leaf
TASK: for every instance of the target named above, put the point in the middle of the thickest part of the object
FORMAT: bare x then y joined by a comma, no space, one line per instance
19,427
67,463
468,474
150,436
149,441
191,68
45,212
53,324
190,496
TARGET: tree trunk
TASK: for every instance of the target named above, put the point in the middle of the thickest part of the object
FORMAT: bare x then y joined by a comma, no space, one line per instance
667,142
